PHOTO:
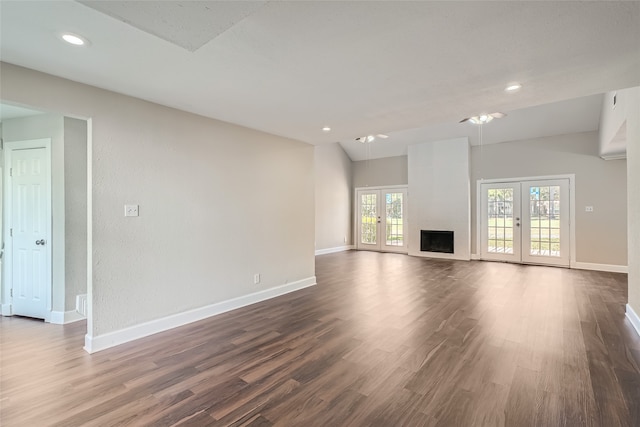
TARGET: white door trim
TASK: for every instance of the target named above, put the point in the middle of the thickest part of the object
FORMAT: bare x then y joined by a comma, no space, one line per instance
7,307
572,211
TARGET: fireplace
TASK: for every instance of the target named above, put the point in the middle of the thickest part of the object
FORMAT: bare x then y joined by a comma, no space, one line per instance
436,241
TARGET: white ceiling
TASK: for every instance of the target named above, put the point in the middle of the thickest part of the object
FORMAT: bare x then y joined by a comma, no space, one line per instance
408,69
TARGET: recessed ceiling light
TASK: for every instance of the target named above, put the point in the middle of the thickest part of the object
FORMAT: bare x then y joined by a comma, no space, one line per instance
74,39
326,129
513,87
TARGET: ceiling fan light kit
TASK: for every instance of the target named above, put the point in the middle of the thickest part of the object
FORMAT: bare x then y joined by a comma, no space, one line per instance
483,118
371,138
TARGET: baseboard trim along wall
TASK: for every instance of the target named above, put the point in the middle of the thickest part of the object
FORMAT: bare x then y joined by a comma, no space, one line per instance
112,339
64,317
334,250
611,268
633,318
600,267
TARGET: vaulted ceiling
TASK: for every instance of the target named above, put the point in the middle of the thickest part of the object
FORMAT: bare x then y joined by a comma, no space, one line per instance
408,69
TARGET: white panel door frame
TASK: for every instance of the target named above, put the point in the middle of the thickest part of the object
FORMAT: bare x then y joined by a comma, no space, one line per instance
9,147
572,205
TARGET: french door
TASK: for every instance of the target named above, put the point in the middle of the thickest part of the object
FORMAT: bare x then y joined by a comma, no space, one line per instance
381,219
526,222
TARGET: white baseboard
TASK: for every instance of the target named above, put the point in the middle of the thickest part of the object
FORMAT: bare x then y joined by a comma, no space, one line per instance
64,317
633,318
6,310
475,257
600,267
334,250
112,339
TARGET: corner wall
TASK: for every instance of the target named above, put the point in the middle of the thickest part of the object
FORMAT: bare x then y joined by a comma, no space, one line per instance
333,199
75,193
628,117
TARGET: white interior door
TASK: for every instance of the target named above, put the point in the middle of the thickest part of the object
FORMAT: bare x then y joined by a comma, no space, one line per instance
526,222
29,224
382,222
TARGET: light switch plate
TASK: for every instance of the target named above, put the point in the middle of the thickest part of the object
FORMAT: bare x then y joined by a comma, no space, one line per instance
131,210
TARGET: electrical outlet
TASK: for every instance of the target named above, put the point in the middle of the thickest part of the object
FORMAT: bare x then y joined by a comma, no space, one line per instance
256,278
131,210
588,208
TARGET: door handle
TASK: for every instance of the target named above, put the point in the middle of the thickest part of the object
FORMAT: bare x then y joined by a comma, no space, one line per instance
40,242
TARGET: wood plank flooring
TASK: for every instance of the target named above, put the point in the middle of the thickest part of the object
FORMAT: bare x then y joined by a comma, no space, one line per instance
382,340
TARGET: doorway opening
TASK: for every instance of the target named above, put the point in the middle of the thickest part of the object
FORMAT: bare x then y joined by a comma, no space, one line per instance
45,169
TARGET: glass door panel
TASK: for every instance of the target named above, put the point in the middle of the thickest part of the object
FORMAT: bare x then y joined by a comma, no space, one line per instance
394,220
369,219
500,219
546,221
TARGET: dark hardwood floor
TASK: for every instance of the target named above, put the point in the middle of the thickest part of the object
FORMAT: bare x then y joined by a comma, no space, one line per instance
383,339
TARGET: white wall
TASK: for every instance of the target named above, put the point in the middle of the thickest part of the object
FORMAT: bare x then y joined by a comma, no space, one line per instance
601,235
218,203
627,114
439,194
333,198
75,193
380,172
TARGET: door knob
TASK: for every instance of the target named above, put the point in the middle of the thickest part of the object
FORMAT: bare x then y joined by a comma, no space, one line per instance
40,242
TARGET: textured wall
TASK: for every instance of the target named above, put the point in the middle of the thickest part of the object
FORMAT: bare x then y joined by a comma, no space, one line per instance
380,172
75,194
218,203
334,196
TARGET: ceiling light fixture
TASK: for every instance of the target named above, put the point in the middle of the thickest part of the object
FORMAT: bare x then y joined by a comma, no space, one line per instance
483,118
514,87
480,120
371,138
326,129
74,39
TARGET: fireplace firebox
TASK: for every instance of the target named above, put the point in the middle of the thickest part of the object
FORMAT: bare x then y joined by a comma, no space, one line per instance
436,241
